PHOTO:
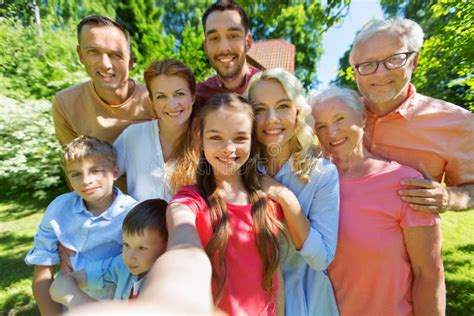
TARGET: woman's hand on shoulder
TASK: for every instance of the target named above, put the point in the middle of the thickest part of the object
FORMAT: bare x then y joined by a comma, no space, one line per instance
274,189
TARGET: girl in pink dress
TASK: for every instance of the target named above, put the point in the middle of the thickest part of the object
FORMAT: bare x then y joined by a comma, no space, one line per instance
228,213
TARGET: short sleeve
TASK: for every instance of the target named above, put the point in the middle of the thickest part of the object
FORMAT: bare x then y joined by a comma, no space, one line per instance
101,273
190,197
460,166
410,217
63,129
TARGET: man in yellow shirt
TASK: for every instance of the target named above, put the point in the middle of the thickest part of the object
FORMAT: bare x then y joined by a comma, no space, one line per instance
104,106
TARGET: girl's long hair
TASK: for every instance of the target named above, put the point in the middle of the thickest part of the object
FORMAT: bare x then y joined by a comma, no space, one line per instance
265,225
185,156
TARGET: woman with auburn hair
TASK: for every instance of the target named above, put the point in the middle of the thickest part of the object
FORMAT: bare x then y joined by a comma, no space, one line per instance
388,258
157,155
228,212
305,186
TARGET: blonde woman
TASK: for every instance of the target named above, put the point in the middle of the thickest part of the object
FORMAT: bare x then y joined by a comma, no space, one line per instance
306,187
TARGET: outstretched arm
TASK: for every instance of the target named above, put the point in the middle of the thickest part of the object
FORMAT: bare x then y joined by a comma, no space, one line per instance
180,280
67,289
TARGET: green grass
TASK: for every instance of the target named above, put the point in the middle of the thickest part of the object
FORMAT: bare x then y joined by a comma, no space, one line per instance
20,216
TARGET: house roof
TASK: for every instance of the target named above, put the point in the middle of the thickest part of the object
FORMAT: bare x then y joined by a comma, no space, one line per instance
271,54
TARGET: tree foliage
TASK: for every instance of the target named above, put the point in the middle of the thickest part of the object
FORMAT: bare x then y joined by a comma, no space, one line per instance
158,29
446,64
39,59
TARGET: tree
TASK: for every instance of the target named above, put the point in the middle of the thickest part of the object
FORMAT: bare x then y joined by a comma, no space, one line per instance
301,23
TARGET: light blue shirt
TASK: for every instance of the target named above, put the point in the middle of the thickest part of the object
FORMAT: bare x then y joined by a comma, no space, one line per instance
68,222
308,289
112,271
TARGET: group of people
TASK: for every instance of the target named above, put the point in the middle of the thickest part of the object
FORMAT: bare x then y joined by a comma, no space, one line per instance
230,167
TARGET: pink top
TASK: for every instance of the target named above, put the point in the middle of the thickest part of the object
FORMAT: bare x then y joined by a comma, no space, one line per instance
424,131
243,292
371,272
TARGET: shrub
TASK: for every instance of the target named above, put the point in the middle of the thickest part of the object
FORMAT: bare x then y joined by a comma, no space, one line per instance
29,152
37,66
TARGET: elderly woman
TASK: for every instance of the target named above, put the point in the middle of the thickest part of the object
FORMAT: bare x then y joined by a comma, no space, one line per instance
306,187
388,257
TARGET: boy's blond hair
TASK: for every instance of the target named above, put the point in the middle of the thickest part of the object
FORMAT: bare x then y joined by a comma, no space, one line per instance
87,147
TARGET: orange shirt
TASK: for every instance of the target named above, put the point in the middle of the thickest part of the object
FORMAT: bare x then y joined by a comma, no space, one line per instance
78,110
426,133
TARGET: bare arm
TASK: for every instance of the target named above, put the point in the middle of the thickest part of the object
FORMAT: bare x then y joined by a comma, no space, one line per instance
424,249
180,280
432,196
298,224
43,276
67,289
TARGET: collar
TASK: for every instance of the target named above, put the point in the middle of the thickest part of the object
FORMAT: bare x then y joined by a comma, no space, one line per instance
285,169
250,71
407,108
109,213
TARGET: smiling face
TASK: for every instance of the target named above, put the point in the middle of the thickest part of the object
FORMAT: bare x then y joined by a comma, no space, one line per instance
141,251
384,89
275,115
226,44
104,52
227,137
339,128
93,180
172,100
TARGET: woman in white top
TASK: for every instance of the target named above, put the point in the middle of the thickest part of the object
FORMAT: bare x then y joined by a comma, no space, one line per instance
156,155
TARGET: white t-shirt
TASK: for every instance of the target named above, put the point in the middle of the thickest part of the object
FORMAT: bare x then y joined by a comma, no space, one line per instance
140,155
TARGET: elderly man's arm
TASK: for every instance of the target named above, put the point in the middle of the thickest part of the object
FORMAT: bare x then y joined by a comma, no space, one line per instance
431,196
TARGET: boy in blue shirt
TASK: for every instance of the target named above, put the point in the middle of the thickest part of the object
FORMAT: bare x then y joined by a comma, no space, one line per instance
144,240
87,221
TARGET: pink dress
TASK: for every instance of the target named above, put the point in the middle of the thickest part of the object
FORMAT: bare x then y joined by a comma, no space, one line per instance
371,272
243,292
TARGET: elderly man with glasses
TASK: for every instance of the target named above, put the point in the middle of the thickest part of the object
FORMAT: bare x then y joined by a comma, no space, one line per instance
433,136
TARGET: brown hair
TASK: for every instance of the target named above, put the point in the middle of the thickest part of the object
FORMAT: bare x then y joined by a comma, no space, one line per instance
149,214
185,155
87,147
100,20
224,5
266,225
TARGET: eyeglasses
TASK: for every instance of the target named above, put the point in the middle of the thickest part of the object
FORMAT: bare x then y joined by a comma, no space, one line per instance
391,62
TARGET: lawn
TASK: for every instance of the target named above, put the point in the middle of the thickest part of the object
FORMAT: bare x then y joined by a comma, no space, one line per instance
20,216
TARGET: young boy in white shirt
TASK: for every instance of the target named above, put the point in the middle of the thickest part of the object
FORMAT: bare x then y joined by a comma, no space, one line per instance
144,240
87,221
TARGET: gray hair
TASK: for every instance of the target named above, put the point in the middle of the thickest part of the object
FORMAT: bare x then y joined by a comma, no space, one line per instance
411,30
347,96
